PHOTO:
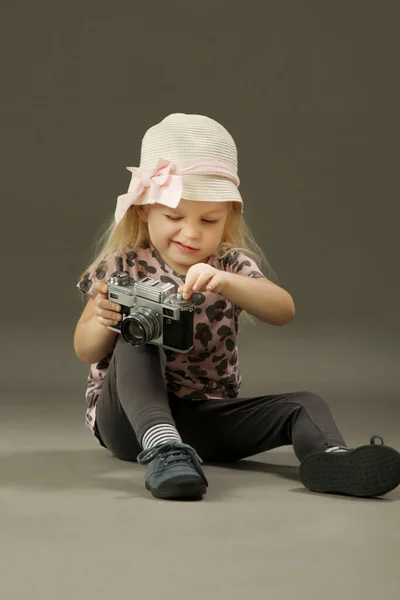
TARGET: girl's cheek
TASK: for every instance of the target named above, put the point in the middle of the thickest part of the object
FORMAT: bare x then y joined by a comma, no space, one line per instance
168,232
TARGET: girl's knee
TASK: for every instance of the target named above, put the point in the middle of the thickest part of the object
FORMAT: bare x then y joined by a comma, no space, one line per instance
310,400
151,351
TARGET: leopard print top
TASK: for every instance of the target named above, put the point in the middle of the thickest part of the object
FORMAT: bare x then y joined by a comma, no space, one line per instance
211,369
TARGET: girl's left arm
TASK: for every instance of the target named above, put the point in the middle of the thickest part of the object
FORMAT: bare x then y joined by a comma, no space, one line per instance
259,297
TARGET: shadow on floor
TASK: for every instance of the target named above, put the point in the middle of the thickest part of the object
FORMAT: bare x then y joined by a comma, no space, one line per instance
292,472
286,471
62,470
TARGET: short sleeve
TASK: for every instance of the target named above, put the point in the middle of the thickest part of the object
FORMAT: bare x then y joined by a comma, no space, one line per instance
100,272
240,263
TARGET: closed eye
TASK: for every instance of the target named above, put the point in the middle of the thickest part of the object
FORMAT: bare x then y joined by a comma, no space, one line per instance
208,221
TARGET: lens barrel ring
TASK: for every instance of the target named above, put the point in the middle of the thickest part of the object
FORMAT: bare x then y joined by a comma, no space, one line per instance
141,326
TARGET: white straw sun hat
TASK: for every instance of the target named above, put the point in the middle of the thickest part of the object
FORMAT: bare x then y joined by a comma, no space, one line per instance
184,156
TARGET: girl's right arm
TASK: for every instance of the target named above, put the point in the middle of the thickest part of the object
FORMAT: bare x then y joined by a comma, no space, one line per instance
92,339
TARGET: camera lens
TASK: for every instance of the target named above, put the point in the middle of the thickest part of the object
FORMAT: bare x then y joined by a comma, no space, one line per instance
140,327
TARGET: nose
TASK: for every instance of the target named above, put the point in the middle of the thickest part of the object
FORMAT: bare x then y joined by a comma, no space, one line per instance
191,231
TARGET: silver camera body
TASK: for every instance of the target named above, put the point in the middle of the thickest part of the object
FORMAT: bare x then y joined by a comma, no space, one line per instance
152,312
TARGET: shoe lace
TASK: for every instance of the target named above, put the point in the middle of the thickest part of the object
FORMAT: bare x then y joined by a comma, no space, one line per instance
172,452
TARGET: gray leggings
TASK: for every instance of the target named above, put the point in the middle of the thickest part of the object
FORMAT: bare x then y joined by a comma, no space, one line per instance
134,398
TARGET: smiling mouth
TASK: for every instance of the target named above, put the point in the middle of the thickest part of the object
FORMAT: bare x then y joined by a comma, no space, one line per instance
184,247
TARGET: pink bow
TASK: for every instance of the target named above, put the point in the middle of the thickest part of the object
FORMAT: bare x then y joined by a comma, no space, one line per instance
165,188
166,184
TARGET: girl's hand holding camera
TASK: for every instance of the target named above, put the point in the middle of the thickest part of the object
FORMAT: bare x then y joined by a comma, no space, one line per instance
106,312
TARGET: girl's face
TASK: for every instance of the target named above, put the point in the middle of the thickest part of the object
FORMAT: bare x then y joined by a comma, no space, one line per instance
187,234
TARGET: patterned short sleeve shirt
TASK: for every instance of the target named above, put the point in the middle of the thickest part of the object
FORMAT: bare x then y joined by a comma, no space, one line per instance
211,368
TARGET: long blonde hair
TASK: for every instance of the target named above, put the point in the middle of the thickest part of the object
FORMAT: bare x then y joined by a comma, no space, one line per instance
113,239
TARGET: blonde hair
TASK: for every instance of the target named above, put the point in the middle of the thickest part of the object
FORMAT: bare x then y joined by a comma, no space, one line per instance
131,232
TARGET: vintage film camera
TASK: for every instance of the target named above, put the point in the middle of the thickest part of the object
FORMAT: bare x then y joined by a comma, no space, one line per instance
152,312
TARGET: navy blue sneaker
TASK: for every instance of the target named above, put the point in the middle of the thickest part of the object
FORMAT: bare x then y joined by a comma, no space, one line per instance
173,471
366,471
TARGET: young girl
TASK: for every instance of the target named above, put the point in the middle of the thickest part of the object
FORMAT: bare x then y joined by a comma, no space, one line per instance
181,222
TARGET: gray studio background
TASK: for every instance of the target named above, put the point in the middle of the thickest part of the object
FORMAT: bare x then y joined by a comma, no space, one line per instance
310,93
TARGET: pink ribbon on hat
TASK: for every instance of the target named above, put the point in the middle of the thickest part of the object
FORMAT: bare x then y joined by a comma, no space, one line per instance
166,184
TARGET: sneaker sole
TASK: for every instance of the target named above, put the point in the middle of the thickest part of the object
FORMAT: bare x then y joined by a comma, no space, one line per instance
177,490
366,472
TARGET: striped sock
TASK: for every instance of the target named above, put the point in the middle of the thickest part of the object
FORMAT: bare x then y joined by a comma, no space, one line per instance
159,434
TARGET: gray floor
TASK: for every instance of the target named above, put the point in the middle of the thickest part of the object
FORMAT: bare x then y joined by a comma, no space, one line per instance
77,523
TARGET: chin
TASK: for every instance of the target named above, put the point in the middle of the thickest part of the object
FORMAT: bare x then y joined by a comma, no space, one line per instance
193,260
188,261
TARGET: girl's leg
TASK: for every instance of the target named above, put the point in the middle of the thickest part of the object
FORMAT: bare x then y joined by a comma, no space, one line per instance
242,427
133,413
133,400
224,430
